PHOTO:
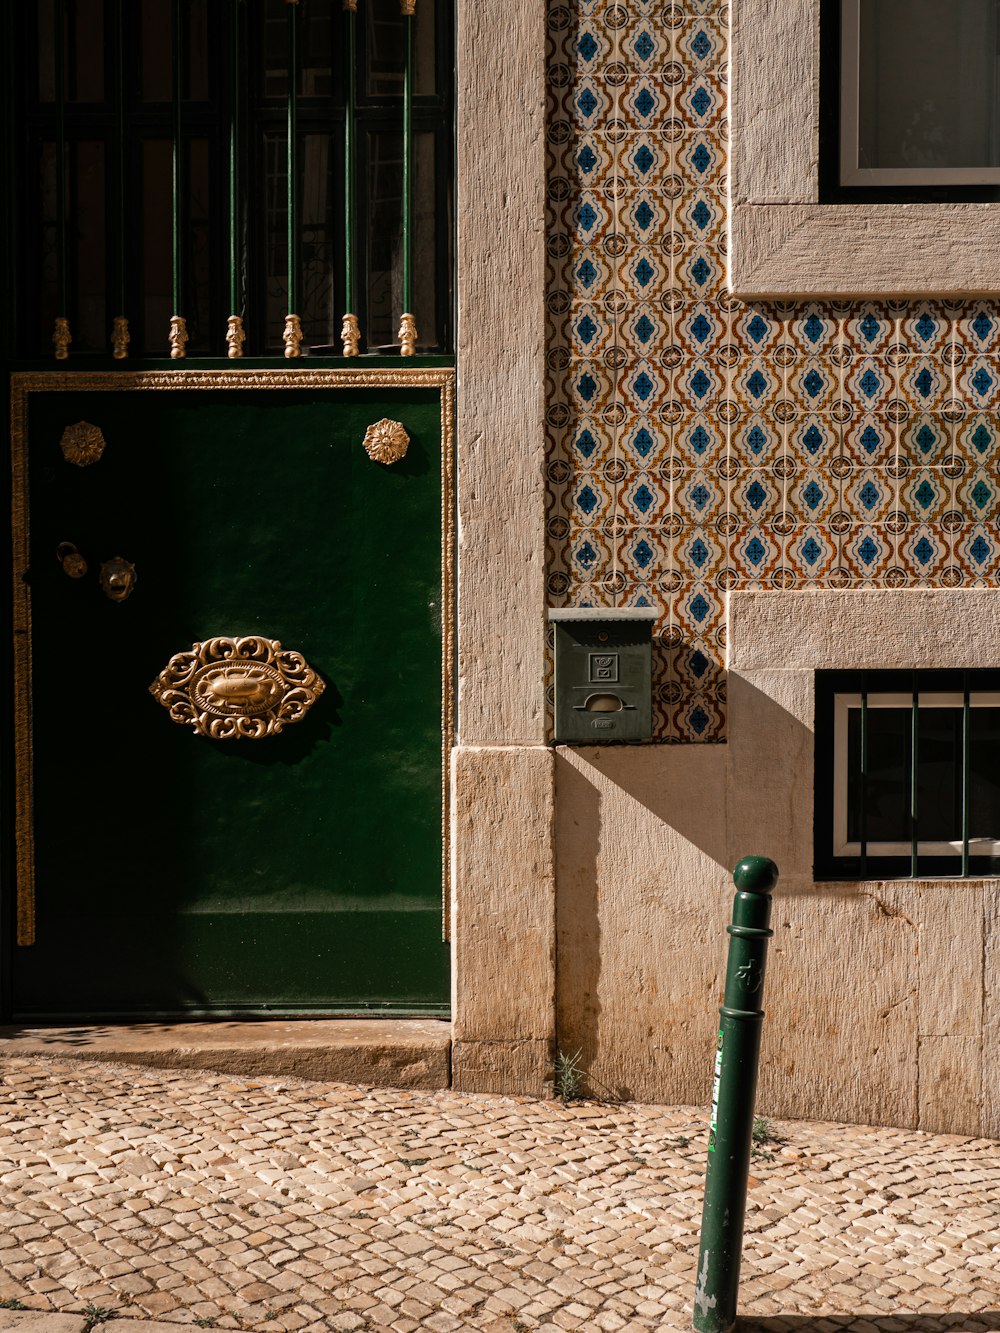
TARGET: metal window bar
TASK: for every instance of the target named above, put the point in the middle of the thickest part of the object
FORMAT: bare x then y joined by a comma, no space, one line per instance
235,332
178,329
61,337
914,768
966,794
119,330
350,333
407,325
293,326
863,784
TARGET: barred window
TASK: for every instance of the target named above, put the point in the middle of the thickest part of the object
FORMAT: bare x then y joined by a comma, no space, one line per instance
907,774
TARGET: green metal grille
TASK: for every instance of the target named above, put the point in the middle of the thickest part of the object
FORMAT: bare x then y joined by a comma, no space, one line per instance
232,158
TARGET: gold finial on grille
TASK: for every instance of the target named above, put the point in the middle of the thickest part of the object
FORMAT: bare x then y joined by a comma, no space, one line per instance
292,337
120,338
407,335
178,338
61,338
350,335
408,8
235,337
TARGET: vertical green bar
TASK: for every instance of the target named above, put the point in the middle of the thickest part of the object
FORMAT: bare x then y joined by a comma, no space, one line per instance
914,801
234,161
119,57
863,784
407,162
966,745
10,188
350,152
292,99
177,93
60,74
731,1126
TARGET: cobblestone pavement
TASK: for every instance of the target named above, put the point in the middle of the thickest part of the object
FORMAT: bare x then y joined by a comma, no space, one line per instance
273,1204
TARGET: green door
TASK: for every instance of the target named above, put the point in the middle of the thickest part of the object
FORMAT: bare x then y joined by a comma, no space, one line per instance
174,873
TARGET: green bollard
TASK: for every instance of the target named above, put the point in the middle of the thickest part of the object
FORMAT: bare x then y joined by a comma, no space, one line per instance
731,1125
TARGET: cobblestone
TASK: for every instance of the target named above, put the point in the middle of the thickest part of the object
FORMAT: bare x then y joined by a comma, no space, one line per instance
282,1206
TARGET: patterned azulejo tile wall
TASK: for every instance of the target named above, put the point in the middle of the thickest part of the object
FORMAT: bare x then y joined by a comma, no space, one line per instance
697,443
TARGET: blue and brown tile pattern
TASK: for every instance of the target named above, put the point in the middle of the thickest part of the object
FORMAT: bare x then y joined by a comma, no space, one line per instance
697,443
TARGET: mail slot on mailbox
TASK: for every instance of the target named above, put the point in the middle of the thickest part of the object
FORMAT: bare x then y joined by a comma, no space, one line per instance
603,674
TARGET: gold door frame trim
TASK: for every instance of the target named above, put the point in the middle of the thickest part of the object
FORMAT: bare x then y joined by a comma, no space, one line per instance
22,385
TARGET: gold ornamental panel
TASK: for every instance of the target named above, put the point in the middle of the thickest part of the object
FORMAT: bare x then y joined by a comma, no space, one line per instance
230,689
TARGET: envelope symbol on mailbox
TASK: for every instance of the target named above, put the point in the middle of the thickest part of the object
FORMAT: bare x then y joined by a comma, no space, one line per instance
603,667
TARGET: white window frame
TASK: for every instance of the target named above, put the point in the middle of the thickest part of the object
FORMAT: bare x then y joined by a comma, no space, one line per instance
851,173
842,704
783,242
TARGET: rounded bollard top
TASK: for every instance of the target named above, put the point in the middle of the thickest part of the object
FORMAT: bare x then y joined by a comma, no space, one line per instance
755,874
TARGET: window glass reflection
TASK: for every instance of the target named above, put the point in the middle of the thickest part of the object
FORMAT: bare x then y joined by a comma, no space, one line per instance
928,85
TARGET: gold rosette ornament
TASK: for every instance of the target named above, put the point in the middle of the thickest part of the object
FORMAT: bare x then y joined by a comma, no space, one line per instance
232,689
82,444
386,441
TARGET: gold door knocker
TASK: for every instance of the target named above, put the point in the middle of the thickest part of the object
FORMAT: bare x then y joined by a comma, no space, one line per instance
118,578
229,688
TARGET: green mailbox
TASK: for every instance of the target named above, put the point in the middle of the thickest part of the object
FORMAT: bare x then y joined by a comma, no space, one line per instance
603,674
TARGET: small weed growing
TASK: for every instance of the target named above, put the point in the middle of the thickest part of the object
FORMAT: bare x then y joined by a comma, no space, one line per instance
763,1134
12,1303
205,1323
569,1075
97,1314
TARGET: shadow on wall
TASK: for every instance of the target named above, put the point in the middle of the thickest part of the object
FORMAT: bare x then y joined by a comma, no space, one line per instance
770,781
641,877
578,918
682,788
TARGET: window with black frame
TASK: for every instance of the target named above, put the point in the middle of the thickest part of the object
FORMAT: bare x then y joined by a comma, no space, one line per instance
907,774
910,99
231,158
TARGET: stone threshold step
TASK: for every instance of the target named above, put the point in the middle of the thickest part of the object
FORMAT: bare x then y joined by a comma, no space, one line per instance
45,1321
383,1052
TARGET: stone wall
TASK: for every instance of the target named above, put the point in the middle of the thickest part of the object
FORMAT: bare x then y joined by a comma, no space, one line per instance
701,446
697,443
701,452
